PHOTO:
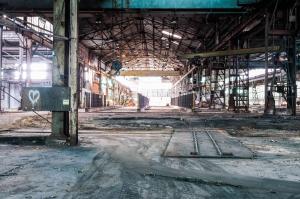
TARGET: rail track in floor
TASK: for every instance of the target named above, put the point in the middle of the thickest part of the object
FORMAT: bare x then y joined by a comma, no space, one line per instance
205,143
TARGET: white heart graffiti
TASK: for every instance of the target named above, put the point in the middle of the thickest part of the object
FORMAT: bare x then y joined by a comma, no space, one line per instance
34,96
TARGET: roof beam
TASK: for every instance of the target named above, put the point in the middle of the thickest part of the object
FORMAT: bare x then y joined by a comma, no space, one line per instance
93,5
149,73
244,51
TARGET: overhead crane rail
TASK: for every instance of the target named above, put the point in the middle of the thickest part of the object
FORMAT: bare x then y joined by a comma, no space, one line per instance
244,51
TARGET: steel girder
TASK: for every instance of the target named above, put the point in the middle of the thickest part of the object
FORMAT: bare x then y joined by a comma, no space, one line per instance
18,5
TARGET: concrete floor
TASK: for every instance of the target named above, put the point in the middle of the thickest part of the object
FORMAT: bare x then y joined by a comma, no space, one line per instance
120,156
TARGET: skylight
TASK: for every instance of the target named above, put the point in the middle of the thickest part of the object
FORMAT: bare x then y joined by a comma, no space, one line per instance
171,35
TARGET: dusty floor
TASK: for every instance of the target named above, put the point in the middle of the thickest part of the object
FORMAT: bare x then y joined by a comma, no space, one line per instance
120,156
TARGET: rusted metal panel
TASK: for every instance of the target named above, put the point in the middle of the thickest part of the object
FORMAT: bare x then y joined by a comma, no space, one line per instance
143,102
46,99
186,100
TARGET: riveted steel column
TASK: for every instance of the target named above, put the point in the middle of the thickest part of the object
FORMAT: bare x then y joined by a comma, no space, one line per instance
73,71
1,75
59,119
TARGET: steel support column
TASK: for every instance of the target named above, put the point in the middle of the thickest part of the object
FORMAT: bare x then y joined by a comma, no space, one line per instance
1,75
21,53
59,119
28,43
266,62
291,77
239,84
292,63
73,72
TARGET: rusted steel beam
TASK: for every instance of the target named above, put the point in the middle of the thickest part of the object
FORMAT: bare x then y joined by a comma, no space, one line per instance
244,51
148,73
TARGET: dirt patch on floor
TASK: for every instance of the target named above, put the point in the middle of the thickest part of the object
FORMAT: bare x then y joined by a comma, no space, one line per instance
250,132
127,163
33,122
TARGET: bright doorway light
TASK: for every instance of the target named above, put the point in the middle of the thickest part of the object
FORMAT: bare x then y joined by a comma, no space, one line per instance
39,71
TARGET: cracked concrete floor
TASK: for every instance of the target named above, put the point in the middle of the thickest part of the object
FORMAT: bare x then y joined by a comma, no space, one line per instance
128,164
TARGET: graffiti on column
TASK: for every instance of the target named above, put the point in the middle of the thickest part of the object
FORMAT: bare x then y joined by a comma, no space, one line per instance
34,96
